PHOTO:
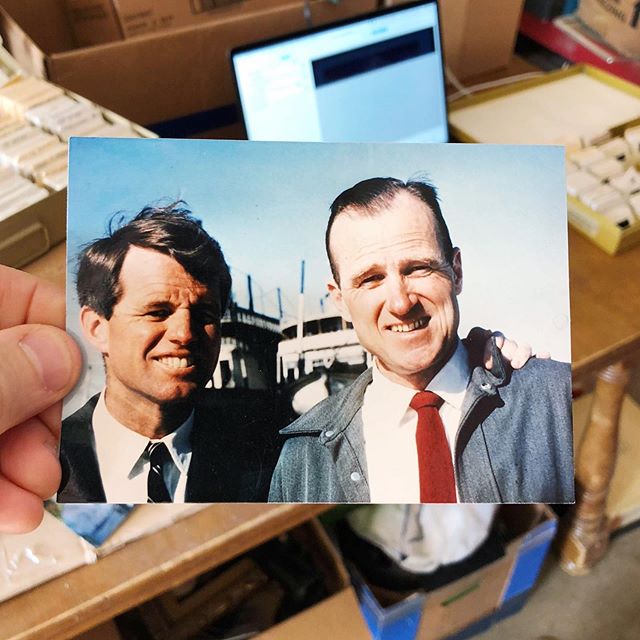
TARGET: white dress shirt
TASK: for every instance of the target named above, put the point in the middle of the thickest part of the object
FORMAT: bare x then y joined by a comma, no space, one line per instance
389,427
123,467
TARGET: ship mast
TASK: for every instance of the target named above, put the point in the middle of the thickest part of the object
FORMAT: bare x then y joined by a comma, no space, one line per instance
300,326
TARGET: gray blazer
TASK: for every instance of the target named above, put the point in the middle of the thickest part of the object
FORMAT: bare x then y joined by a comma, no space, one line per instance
514,444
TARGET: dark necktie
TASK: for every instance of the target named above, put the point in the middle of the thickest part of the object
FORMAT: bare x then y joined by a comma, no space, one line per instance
437,481
159,458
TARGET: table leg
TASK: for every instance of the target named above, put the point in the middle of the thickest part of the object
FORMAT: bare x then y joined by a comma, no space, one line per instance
584,536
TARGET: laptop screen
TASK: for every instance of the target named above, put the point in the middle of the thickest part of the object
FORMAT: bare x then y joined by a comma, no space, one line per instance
377,78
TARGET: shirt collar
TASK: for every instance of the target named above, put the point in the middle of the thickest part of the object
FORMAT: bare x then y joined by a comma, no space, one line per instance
385,397
450,383
127,446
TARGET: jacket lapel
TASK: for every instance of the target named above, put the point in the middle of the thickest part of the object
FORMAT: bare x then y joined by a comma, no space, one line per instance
81,480
344,438
474,471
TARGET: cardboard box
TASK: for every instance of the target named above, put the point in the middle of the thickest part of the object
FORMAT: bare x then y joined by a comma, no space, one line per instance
138,17
162,76
93,21
99,21
470,600
616,22
477,35
337,616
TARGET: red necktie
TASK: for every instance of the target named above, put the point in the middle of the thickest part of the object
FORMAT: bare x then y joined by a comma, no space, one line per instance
437,481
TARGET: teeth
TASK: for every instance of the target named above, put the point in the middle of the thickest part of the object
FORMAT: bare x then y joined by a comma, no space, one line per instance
176,363
411,326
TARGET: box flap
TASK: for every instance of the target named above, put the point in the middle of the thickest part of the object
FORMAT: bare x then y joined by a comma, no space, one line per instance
338,617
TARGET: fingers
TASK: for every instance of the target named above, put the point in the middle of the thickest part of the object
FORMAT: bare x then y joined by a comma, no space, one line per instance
52,418
516,354
20,510
543,355
39,365
25,299
29,458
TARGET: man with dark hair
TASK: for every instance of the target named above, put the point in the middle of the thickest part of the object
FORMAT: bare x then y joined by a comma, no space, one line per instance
152,295
427,423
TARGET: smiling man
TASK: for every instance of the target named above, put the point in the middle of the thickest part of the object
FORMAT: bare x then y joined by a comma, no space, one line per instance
426,423
152,295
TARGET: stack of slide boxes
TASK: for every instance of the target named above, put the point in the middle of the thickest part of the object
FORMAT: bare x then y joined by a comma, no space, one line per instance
36,121
605,178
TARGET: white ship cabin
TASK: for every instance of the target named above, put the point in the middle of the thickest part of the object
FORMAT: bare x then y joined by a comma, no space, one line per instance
326,339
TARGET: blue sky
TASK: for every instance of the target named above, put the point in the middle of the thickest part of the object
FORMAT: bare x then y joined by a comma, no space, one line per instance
267,204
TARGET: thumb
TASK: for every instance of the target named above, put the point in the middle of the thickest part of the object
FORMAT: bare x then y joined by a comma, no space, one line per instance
38,366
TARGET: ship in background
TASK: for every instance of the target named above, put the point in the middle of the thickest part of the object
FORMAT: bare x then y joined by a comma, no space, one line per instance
318,356
320,360
248,351
248,347
302,361
243,385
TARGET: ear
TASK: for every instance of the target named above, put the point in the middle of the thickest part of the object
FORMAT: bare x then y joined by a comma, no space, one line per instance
336,296
457,270
95,329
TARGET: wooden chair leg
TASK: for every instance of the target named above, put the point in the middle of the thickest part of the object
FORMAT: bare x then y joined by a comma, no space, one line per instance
584,536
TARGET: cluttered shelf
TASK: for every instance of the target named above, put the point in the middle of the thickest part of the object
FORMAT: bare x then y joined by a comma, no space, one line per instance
144,568
565,38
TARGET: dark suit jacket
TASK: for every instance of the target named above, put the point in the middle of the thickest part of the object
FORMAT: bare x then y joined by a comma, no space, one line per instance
232,460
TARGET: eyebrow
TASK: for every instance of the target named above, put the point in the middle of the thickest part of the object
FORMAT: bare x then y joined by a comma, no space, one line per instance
166,303
153,304
431,263
365,273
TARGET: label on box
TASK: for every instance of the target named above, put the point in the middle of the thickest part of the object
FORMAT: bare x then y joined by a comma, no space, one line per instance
617,21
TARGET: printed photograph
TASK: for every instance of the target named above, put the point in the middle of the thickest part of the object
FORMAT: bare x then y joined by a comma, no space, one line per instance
314,322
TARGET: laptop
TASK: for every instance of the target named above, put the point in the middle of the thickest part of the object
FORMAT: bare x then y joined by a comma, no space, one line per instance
375,78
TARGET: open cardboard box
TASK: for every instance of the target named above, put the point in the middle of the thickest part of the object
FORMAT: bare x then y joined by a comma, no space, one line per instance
161,76
337,615
455,606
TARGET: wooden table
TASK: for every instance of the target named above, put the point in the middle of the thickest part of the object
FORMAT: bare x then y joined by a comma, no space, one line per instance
144,568
605,339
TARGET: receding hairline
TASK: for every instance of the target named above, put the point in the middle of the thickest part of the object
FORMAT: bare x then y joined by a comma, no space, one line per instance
381,205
